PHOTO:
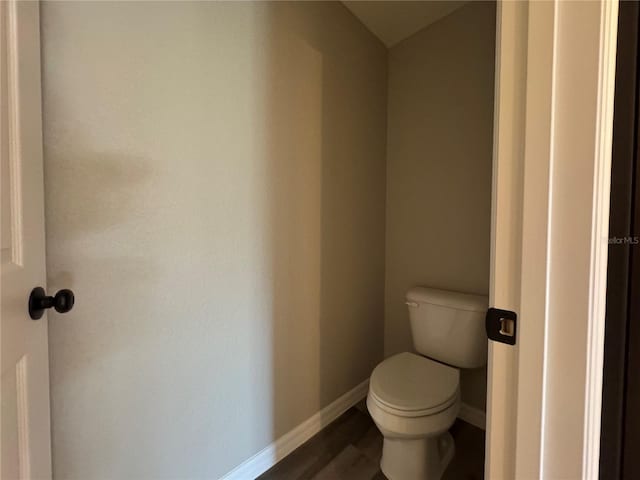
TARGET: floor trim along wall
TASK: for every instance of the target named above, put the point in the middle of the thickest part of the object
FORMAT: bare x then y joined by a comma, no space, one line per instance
473,415
272,454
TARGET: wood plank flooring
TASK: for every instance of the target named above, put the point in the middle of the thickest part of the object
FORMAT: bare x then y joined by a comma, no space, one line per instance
350,448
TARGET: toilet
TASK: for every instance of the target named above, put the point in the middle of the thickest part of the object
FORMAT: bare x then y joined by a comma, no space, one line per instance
415,398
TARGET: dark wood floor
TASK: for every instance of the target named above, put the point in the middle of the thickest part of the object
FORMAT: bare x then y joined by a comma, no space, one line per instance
350,449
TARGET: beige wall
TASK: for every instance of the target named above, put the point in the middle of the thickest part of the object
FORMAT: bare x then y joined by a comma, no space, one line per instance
215,187
440,116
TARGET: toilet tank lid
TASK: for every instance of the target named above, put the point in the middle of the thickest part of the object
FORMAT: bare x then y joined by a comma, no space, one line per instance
446,298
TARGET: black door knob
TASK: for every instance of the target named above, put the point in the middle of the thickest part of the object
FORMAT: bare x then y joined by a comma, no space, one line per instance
39,302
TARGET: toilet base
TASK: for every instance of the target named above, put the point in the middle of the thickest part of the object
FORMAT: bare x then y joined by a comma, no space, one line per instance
417,458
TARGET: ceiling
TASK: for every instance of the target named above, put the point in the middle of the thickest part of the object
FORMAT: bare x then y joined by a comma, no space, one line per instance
393,21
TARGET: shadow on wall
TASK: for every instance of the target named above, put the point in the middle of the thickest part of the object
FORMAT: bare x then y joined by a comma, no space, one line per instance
326,117
215,191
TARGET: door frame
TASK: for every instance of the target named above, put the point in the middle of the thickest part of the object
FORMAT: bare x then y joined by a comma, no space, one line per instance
555,71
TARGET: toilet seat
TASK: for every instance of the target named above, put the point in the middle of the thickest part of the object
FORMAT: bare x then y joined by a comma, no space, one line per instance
408,385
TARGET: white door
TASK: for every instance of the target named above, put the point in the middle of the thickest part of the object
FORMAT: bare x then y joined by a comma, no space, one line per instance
555,71
506,231
26,438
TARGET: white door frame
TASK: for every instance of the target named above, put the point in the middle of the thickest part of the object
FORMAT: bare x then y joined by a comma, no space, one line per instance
555,72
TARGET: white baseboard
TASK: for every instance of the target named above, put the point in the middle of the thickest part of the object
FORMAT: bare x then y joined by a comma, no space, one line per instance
272,454
473,415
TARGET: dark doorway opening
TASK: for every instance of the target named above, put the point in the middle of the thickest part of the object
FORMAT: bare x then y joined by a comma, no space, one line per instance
620,432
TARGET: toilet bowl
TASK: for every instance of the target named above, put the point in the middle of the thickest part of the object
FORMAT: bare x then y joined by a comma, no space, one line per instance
414,417
414,398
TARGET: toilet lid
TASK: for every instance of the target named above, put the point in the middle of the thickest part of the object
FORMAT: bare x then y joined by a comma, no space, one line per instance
411,383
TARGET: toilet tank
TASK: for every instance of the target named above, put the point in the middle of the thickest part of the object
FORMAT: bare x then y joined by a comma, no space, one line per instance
449,326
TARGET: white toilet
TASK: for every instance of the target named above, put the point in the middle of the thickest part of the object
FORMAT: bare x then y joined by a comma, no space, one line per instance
414,400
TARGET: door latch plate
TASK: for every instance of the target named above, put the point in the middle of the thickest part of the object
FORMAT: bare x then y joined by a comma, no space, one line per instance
501,325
